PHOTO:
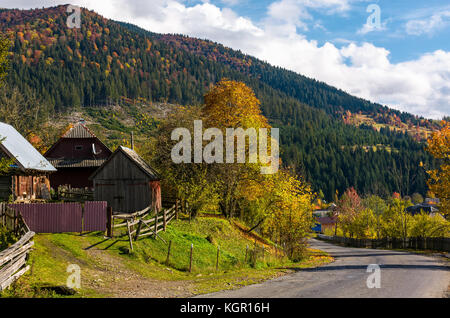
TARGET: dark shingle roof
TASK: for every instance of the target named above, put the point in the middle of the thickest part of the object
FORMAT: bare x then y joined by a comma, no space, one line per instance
76,163
134,157
140,162
78,131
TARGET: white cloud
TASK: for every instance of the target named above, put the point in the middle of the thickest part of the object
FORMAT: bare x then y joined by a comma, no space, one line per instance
427,26
420,86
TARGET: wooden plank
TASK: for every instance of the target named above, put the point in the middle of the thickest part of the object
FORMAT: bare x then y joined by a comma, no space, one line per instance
123,216
120,225
146,233
138,230
9,281
14,254
13,267
5,253
142,212
147,222
129,236
170,218
159,229
164,220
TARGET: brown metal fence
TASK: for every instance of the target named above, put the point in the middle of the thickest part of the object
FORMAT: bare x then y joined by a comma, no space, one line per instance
51,217
416,243
95,217
62,217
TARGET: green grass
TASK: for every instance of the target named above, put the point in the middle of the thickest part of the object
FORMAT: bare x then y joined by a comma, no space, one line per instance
107,259
7,238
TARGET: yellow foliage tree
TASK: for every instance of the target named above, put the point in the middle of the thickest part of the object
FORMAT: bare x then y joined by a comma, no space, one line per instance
439,181
231,104
287,205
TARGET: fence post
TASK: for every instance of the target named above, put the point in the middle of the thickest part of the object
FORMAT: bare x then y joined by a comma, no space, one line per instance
246,253
190,259
164,219
217,260
168,252
109,223
138,230
129,235
156,222
176,209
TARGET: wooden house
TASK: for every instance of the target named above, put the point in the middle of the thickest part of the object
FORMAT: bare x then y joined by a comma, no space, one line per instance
76,155
324,224
127,182
28,175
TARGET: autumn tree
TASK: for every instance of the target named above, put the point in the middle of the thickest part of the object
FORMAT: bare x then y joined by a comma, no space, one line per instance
378,206
26,113
4,47
231,104
426,225
285,206
348,208
191,181
439,179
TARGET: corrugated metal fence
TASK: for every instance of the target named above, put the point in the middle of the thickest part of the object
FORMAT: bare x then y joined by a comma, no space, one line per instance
416,243
63,217
95,217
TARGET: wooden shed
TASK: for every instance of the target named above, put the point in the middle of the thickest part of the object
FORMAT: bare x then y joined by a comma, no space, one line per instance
127,182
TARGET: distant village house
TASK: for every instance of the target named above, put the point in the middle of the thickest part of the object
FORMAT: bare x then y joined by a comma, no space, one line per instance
76,155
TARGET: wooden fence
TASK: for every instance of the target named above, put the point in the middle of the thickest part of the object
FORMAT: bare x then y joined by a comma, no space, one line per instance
138,224
13,259
66,193
416,243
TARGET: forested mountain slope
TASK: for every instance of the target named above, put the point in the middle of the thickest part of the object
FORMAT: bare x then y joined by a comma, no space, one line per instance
105,60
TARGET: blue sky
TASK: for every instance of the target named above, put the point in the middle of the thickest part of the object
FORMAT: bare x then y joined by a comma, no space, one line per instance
403,61
403,43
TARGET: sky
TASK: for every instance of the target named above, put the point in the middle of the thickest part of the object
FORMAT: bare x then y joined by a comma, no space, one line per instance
394,52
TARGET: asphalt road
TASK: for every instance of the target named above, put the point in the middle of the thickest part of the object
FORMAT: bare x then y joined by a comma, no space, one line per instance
402,274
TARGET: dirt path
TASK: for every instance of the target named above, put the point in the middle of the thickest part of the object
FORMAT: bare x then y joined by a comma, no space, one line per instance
113,278
108,276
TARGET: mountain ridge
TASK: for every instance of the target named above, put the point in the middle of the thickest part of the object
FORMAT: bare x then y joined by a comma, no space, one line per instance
106,60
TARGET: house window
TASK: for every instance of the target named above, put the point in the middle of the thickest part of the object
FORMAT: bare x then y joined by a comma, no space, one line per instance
78,147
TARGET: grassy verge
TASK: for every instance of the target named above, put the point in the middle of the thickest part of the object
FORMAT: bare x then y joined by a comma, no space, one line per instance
109,268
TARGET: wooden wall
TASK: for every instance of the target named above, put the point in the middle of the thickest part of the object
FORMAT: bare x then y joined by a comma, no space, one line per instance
23,187
123,185
67,148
